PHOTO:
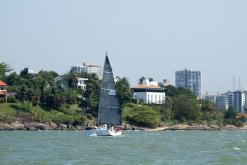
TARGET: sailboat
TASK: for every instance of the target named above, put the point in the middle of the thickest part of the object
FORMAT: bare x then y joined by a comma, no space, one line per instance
109,118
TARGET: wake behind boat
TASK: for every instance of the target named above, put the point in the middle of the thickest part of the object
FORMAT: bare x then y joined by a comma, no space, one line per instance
109,118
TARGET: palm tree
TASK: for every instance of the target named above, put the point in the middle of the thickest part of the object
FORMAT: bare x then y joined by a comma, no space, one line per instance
4,68
141,80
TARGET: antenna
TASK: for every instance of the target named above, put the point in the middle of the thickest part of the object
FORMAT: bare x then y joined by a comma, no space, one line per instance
233,83
239,84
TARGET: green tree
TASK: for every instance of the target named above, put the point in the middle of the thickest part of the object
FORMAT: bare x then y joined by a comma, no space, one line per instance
185,92
186,109
171,91
12,79
70,96
230,113
22,94
48,76
4,69
207,106
167,109
143,115
71,80
24,74
141,80
91,95
123,91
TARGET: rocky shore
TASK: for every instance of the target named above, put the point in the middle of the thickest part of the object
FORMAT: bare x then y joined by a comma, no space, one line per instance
34,126
187,127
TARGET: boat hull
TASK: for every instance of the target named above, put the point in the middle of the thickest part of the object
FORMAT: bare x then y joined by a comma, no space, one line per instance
102,132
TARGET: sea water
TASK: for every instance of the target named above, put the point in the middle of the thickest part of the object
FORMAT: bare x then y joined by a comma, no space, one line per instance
133,148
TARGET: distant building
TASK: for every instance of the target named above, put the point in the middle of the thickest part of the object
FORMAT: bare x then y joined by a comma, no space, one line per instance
189,79
30,71
221,102
3,91
149,93
211,98
78,69
165,83
230,98
239,101
88,68
96,69
82,83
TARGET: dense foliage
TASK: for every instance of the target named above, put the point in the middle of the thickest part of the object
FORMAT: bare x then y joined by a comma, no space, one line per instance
181,106
48,97
141,115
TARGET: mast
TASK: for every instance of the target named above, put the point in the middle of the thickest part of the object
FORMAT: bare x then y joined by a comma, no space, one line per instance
109,111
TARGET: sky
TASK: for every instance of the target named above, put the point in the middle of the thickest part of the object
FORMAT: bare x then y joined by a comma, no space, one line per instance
151,38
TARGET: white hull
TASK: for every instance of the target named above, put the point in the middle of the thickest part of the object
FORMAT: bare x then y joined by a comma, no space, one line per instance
102,132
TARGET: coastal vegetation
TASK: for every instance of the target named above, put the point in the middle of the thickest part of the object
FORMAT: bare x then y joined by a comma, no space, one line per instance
47,97
181,106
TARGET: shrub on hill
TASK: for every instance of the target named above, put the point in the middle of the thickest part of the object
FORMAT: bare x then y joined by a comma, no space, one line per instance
141,115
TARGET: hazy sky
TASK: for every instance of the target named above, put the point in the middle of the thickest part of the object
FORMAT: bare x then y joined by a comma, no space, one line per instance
151,38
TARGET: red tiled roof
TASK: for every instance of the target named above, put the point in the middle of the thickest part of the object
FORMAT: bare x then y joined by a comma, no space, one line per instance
2,92
2,83
144,86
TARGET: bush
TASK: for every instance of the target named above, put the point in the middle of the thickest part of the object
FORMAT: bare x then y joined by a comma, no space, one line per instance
186,109
12,100
235,122
7,117
141,116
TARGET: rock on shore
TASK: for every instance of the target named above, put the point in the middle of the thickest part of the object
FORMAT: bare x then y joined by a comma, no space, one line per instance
187,127
33,126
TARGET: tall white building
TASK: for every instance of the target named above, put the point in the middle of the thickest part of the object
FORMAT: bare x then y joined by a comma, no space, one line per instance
230,99
189,79
239,101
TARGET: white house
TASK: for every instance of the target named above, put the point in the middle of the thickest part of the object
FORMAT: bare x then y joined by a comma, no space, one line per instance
82,83
149,92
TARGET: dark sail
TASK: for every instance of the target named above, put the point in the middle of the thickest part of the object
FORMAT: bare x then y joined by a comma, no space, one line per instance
109,111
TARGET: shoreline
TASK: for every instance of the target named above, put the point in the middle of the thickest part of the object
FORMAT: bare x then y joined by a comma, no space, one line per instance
35,126
185,127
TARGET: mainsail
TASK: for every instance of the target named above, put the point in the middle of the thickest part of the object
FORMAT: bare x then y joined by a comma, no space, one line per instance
109,111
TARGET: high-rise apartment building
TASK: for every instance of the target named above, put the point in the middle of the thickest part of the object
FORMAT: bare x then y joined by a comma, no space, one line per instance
239,101
189,79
